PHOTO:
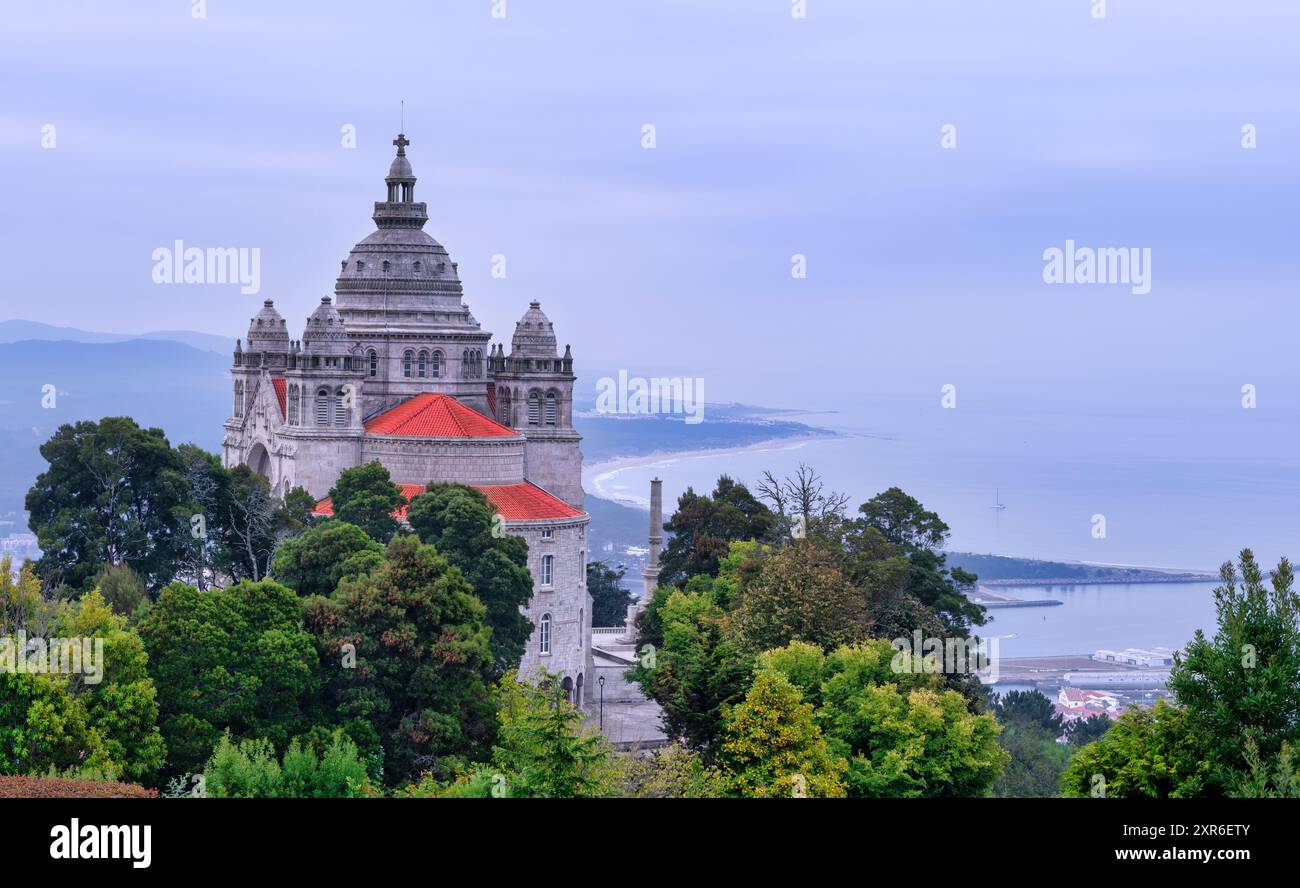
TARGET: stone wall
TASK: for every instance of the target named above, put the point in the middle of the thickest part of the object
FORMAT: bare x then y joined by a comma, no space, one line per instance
554,463
462,460
566,599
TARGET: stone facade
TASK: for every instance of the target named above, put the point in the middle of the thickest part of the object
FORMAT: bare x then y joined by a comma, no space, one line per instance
397,329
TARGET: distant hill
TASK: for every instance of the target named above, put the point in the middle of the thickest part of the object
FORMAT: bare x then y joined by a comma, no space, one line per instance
182,390
1006,570
19,330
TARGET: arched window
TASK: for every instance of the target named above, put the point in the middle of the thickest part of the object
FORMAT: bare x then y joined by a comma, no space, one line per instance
294,398
407,357
548,570
550,408
544,634
239,398
422,363
534,409
323,407
374,362
435,369
340,412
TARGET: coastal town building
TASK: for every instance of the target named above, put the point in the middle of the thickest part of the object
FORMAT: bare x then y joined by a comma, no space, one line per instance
392,367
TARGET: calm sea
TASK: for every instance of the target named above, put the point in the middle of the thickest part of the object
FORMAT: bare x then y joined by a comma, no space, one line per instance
1111,616
1150,491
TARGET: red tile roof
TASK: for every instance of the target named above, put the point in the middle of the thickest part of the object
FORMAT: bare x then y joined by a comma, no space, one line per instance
513,502
278,382
526,502
435,415
492,397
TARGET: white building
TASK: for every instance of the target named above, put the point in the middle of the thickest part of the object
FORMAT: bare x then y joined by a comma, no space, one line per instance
393,367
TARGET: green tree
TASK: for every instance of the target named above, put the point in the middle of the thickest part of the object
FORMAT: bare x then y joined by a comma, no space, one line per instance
1244,683
249,769
699,671
1083,731
542,751
609,599
121,702
208,504
1031,708
367,497
773,748
44,729
461,524
1146,754
903,734
406,649
800,594
113,494
314,562
1035,763
673,772
1280,780
234,658
250,525
542,747
920,534
100,722
703,526
121,588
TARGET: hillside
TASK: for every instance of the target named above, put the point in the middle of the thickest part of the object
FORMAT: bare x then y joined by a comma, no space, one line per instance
19,330
183,390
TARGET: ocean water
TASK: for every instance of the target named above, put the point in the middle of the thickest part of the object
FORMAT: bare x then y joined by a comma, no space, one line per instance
1177,491
1107,615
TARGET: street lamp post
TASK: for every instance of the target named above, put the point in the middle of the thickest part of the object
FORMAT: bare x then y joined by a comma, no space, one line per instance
601,681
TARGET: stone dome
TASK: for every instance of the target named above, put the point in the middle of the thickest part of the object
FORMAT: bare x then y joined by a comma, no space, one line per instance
400,168
325,333
398,274
534,334
267,331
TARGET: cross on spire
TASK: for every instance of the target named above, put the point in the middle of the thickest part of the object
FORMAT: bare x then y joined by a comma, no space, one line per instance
401,142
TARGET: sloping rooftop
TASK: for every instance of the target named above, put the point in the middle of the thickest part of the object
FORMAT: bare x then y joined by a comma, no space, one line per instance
513,502
435,415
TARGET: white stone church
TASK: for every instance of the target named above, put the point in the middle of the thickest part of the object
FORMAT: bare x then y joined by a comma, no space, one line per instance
394,368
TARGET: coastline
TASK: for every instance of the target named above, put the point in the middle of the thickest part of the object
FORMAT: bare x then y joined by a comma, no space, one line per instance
598,478
597,475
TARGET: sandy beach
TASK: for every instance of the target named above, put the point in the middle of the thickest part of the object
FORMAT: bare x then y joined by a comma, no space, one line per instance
601,478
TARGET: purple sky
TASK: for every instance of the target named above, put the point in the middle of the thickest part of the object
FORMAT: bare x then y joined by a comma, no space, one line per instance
775,136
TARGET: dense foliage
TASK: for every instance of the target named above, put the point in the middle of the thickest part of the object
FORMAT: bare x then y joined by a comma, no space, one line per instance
460,523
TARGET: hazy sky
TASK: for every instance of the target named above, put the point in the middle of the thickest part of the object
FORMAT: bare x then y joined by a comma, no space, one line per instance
775,136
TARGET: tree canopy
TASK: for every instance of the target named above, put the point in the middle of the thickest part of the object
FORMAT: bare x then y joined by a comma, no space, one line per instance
461,524
366,496
112,494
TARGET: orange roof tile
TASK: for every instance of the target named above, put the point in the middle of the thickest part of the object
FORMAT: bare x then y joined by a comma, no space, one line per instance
435,415
514,502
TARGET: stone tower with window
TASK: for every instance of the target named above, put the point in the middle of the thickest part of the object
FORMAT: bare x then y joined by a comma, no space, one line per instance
533,389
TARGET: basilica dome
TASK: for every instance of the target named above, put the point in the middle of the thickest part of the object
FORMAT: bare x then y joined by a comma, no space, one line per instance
398,269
